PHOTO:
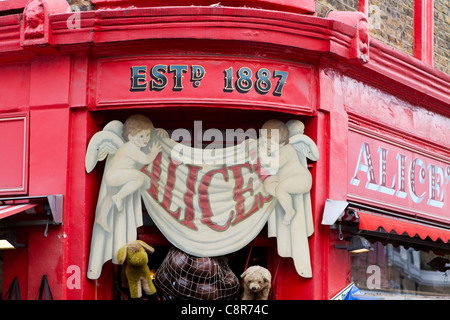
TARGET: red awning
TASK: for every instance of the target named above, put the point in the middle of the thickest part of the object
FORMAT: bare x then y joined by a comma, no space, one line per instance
371,222
11,209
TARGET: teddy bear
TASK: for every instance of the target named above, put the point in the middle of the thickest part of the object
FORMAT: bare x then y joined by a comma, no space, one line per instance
256,283
133,257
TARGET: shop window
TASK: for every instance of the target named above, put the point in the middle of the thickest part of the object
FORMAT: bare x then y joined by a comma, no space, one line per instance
236,261
400,272
260,252
202,126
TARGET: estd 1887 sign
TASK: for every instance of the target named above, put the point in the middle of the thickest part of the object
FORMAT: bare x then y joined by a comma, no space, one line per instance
244,79
203,81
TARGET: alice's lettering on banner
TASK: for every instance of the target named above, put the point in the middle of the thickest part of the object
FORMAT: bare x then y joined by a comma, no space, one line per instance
204,182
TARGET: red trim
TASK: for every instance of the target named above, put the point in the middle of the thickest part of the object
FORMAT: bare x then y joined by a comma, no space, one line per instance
9,210
17,143
372,222
363,6
12,4
423,30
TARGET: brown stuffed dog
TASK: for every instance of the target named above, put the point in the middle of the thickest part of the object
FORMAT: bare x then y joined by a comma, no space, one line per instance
257,283
134,259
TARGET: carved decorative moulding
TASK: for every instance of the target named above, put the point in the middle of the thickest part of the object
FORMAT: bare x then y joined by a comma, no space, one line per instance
359,46
34,29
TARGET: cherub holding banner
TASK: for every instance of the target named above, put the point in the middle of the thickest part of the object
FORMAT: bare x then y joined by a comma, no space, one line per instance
292,231
291,176
124,171
122,174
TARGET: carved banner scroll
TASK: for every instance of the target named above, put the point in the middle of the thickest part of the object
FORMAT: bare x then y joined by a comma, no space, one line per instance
207,202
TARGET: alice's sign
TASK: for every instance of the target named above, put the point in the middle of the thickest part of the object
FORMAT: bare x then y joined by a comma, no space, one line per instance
403,179
207,202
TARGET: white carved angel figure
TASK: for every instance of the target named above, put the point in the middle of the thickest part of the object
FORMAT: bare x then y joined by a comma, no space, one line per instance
293,184
122,175
305,148
292,176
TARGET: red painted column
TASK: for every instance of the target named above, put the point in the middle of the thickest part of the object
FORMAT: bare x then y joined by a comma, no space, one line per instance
423,30
363,6
81,202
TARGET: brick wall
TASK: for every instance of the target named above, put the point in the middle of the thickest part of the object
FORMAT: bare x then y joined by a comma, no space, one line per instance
392,22
323,6
442,35
83,5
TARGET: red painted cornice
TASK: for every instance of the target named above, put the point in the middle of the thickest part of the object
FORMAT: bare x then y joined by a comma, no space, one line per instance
266,27
432,85
12,5
299,37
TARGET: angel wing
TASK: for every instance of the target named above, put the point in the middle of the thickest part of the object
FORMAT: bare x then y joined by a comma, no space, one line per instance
303,145
104,143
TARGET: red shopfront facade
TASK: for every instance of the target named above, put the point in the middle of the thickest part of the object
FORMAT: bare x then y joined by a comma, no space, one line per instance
379,118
